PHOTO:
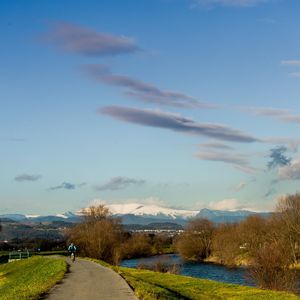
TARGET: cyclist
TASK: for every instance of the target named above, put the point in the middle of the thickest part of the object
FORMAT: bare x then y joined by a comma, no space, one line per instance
72,250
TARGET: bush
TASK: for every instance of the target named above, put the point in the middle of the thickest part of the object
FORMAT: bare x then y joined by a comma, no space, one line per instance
270,268
136,246
162,266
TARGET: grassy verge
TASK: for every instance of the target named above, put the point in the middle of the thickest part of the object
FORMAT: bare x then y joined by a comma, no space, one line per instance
30,278
150,285
48,253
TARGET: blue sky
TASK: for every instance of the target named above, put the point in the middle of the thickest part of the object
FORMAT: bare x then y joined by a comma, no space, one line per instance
184,103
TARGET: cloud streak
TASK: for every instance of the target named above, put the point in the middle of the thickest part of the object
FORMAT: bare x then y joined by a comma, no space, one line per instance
228,204
67,186
293,63
118,183
238,161
240,186
27,177
236,3
75,39
174,122
216,145
294,74
143,91
283,115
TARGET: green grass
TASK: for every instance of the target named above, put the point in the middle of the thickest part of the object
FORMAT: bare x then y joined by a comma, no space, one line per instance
30,278
183,287
150,285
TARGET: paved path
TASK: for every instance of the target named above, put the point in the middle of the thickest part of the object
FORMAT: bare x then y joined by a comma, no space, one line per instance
88,280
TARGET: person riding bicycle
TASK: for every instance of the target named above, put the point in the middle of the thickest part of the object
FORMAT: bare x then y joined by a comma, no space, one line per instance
72,250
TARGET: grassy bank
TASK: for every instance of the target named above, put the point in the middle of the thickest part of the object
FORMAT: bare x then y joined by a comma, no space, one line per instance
29,278
150,285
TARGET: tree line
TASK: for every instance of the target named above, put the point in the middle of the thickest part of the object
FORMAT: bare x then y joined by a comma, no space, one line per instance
102,236
270,246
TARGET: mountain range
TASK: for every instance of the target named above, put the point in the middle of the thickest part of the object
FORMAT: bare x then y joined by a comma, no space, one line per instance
142,214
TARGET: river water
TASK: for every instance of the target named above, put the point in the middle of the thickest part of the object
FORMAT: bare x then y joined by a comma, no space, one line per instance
199,270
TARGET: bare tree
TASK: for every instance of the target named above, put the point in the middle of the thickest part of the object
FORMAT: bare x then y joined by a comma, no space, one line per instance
195,243
98,236
279,249
288,213
227,245
252,232
96,213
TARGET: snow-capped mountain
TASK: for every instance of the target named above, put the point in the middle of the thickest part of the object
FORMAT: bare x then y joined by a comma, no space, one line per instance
143,214
146,210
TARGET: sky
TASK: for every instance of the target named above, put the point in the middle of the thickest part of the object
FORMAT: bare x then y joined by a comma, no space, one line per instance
181,103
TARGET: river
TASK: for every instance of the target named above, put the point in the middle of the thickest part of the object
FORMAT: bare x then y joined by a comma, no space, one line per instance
199,270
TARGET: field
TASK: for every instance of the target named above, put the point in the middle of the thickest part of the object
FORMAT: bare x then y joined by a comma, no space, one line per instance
30,278
150,285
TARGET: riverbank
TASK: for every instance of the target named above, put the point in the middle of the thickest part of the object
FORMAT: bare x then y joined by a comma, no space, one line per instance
153,285
239,261
203,270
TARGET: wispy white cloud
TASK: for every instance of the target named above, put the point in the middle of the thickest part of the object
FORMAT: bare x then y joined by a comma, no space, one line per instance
290,171
238,161
240,186
231,204
294,74
283,115
233,3
293,63
216,145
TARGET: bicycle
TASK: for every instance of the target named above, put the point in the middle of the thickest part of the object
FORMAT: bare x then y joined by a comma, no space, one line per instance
73,256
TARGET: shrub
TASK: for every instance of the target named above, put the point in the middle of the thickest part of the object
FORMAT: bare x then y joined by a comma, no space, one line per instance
136,246
270,267
162,266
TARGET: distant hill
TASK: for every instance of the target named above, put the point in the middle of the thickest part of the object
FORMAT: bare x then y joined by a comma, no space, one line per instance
222,216
145,220
153,226
14,217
